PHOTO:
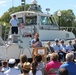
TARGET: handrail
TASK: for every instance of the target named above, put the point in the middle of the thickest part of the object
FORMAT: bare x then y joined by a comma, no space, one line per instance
67,28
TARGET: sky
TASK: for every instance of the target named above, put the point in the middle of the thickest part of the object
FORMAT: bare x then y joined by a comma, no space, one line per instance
54,5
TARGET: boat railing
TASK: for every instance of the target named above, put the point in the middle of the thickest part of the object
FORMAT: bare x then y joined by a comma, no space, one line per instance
68,28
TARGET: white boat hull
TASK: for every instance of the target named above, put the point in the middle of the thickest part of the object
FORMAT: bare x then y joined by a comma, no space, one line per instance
46,35
13,51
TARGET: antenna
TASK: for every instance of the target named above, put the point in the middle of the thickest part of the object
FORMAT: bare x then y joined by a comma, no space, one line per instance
12,5
23,4
33,2
47,9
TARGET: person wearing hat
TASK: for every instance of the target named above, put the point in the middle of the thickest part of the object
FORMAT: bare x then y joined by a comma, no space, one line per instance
70,46
56,46
12,70
14,23
26,68
63,49
58,49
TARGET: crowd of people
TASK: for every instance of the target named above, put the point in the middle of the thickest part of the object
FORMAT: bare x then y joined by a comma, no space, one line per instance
57,53
60,57
61,48
38,67
61,60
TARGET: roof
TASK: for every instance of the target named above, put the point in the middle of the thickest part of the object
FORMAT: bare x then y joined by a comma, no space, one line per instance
29,12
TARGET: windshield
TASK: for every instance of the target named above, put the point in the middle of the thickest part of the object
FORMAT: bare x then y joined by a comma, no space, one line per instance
31,20
20,20
45,20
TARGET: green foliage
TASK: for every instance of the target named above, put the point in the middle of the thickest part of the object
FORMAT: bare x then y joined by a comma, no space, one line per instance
3,29
6,17
17,9
67,18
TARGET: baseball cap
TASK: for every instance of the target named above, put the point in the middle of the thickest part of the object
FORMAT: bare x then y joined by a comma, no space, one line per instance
11,61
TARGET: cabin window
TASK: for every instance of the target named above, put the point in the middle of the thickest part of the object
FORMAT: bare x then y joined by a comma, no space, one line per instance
31,20
20,20
45,20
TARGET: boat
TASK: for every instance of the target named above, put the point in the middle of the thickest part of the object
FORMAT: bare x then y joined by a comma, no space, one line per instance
31,22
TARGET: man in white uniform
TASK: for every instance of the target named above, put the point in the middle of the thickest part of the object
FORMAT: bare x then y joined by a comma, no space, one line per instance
58,49
12,70
14,23
56,46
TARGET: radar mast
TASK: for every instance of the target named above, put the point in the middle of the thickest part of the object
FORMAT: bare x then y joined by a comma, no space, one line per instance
34,6
33,2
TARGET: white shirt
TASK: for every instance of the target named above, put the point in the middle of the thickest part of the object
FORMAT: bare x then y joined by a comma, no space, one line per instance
12,71
38,72
14,22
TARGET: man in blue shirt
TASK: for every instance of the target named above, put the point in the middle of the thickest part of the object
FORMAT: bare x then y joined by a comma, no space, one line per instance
58,49
14,23
69,65
36,42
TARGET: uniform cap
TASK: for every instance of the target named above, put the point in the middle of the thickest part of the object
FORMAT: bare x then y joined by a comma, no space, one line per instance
11,61
14,15
62,41
56,40
70,41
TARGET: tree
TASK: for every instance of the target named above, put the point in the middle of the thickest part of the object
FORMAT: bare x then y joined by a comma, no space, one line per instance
6,17
19,8
67,18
